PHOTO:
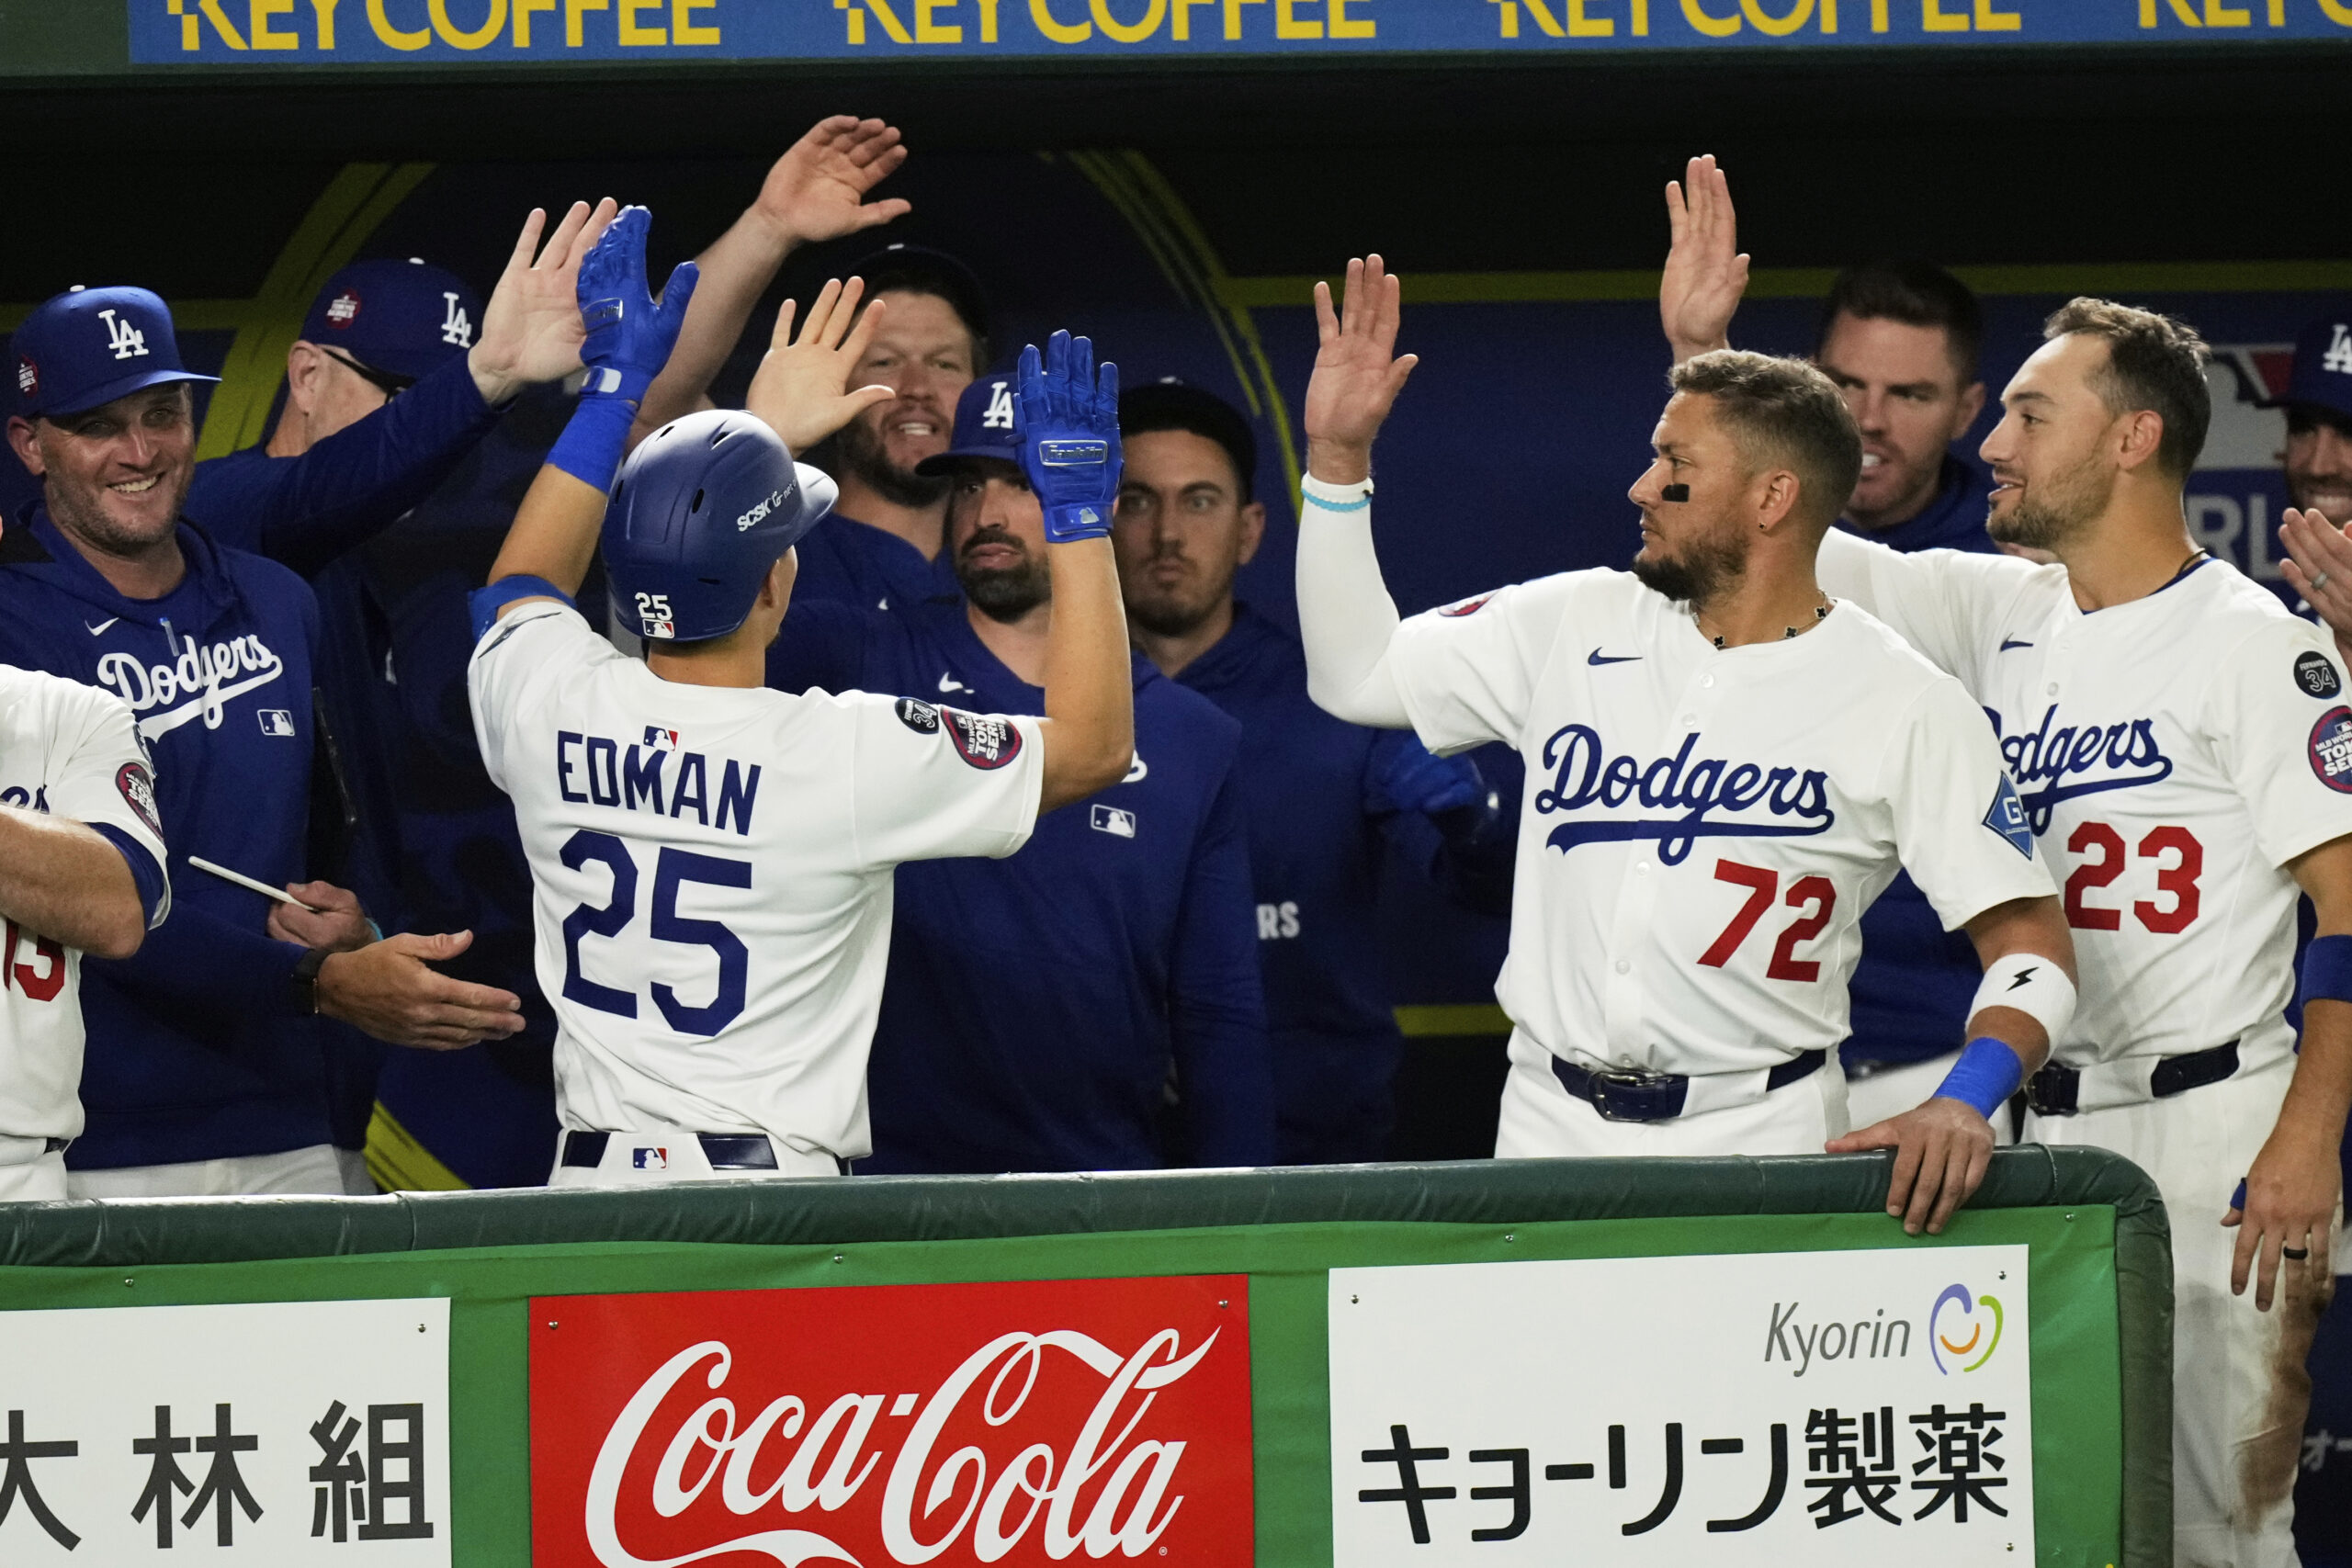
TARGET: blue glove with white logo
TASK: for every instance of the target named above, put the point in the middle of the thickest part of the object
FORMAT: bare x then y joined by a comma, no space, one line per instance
628,341
1069,436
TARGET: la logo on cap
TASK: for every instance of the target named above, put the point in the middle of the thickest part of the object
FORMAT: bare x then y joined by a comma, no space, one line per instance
999,409
344,309
123,339
2338,357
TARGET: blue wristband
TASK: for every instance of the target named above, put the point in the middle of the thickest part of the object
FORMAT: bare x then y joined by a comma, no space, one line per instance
1066,524
592,446
2327,969
1987,1073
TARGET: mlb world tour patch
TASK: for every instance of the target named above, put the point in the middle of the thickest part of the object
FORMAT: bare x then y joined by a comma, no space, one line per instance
138,788
2331,750
984,743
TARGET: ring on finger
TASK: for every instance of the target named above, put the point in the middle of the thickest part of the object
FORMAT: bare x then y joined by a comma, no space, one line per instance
2319,582
2294,1254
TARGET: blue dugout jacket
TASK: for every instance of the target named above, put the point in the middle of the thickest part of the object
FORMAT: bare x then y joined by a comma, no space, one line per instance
1912,987
848,562
1035,1005
195,1049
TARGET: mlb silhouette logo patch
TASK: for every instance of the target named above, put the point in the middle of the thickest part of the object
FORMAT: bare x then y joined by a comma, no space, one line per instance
660,739
649,1159
275,721
1111,820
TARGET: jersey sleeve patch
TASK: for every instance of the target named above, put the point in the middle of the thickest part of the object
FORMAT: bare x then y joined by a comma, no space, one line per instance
2331,750
917,715
138,788
2005,817
1469,606
986,742
2315,675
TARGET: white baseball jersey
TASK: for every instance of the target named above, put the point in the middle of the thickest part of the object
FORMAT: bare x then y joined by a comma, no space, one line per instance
73,751
2173,754
1703,828
711,871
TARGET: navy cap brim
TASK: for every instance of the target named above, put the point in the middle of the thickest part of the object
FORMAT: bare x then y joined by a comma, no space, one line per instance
100,396
941,464
818,494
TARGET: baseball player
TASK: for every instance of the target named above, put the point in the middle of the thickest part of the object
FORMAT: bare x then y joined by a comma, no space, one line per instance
1723,768
713,861
81,871
2172,730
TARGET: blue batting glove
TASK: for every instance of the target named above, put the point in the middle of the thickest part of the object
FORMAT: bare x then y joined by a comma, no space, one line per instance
1404,776
630,336
1069,428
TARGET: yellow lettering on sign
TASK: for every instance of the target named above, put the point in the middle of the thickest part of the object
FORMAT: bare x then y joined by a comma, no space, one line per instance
574,24
1778,27
1641,18
1345,25
220,24
1290,27
2277,13
1233,16
1988,20
632,35
884,15
2179,8
1878,16
2336,11
987,21
1059,31
1123,32
392,35
523,10
683,29
928,31
2220,16
1582,26
257,16
325,9
1932,19
1544,20
439,11
1713,27
1181,22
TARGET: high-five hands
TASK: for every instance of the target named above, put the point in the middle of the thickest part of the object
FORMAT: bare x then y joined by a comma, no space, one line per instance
1706,272
801,388
530,329
816,191
1358,372
628,335
2319,567
1069,436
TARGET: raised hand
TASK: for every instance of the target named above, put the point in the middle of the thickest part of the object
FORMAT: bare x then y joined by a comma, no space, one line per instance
1358,372
530,329
816,191
2319,567
1705,271
628,335
1069,436
801,388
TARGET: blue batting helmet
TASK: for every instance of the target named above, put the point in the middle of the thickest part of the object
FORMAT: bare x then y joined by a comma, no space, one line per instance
701,512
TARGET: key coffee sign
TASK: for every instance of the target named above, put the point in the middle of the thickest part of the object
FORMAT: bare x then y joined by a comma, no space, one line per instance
1028,1423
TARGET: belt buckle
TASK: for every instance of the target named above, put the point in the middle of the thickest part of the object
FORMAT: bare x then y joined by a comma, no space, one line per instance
1604,1080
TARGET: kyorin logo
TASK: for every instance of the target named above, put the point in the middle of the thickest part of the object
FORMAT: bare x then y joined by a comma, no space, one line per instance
1965,1317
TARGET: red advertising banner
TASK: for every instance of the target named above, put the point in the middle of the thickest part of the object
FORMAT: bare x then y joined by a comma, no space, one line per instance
1025,1423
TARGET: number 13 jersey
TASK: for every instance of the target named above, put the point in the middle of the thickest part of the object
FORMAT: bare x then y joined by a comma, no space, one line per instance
1703,827
2172,754
711,872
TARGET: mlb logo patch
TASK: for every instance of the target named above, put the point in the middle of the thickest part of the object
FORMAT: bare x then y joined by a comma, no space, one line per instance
275,721
660,739
649,1159
1111,820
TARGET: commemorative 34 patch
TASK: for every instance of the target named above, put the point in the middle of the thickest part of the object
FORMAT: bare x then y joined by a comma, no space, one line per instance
918,716
2315,674
2331,750
985,742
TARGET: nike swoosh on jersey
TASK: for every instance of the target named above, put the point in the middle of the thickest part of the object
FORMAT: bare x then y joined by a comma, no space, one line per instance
1597,656
100,629
2008,643
949,683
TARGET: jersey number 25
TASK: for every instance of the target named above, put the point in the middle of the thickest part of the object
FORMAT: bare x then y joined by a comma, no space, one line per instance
675,868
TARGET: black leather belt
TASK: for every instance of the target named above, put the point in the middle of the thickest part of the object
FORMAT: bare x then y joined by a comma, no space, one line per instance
1637,1095
2056,1089
724,1151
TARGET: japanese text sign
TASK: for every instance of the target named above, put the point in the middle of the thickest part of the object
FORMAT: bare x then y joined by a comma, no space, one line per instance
1829,1408
270,1434
1025,1423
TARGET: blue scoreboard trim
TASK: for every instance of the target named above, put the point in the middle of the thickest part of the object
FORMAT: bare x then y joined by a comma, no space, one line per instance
246,33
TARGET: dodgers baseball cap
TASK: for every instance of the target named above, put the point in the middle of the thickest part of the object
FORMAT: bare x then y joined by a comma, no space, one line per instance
987,424
404,318
85,348
2321,378
921,270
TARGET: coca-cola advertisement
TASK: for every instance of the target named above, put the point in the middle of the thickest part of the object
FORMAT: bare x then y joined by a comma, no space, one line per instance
1019,1423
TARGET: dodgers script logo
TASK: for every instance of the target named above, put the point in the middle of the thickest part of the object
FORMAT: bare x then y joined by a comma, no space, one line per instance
1583,776
2055,763
205,677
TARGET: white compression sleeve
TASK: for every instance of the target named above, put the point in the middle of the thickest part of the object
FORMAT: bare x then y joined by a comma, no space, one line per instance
1345,616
